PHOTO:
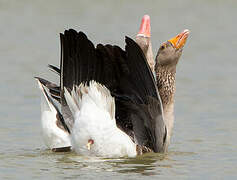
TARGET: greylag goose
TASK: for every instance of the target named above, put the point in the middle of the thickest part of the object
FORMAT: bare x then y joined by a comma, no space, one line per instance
144,128
166,60
143,39
55,134
97,84
164,67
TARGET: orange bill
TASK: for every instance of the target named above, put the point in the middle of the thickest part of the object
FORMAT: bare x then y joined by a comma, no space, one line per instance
180,40
145,28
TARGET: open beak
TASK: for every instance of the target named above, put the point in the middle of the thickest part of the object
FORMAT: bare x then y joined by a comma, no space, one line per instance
180,40
145,27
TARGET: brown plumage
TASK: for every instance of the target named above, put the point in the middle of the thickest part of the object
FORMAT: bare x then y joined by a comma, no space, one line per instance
164,67
143,39
139,110
127,76
167,59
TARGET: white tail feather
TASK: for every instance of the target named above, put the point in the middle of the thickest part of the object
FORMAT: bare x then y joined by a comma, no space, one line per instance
53,136
98,93
93,109
72,102
45,104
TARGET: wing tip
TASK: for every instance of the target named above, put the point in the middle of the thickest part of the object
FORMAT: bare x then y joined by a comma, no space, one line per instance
40,83
54,69
129,40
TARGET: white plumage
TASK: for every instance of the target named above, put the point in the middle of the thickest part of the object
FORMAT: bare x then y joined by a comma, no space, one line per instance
93,109
53,136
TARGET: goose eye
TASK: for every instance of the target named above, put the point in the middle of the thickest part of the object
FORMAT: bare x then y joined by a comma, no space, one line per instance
162,47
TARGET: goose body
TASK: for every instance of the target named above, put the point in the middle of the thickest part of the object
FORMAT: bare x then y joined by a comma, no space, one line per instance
109,100
93,109
56,137
97,100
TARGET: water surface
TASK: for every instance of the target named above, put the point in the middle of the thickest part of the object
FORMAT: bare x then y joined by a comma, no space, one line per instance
204,139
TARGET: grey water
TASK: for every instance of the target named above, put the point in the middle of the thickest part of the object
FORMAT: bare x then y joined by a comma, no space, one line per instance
204,144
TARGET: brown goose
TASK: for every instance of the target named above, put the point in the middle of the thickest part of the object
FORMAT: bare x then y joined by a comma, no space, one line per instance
126,76
97,84
55,133
143,39
165,68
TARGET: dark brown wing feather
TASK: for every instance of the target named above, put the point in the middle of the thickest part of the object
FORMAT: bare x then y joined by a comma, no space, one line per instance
60,120
54,89
141,100
125,73
54,69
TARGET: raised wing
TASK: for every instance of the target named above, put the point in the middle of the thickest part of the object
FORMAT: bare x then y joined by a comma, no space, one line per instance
128,77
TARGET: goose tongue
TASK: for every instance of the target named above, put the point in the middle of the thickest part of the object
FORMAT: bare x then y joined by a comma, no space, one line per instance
145,28
180,40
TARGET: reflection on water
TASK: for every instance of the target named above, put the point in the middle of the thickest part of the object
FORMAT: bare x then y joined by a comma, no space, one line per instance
204,142
142,164
63,163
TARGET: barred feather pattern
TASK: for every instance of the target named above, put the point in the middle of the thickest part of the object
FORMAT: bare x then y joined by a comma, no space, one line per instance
167,88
